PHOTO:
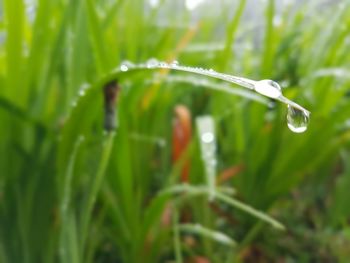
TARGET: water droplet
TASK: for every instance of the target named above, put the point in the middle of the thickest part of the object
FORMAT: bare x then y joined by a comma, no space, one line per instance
297,119
268,88
126,65
163,65
152,63
175,63
83,88
207,137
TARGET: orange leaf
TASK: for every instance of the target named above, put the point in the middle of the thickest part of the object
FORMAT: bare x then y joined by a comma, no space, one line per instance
229,173
182,133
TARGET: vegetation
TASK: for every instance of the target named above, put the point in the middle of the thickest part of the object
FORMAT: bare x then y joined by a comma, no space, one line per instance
71,191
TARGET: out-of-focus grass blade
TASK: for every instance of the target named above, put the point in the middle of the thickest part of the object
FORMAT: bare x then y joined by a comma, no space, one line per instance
227,54
207,141
67,245
96,37
177,241
204,190
250,210
269,41
206,232
340,209
14,17
83,114
95,186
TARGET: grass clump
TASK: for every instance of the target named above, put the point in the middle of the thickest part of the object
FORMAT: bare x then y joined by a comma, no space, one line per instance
71,192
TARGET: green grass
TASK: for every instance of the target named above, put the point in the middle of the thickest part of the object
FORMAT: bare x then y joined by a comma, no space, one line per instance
70,192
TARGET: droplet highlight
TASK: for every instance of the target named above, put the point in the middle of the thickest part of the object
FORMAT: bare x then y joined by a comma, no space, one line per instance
297,119
268,88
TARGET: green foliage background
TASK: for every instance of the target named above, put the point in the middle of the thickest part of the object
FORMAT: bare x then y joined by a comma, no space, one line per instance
71,193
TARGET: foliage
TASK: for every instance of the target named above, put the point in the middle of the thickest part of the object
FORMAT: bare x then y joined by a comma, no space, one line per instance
70,192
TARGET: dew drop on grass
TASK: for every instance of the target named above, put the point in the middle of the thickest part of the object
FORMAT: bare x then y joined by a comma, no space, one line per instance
175,63
268,88
83,88
297,119
152,63
126,65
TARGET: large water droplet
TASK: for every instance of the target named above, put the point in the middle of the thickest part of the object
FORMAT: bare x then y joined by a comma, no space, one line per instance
268,88
297,119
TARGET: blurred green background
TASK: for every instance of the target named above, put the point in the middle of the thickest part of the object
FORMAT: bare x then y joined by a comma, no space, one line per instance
72,192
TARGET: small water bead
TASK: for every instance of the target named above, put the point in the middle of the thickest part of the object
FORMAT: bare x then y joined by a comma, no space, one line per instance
175,63
297,119
152,63
163,65
126,65
83,88
268,88
123,67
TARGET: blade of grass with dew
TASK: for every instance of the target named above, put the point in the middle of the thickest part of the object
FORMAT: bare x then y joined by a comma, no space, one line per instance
27,151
